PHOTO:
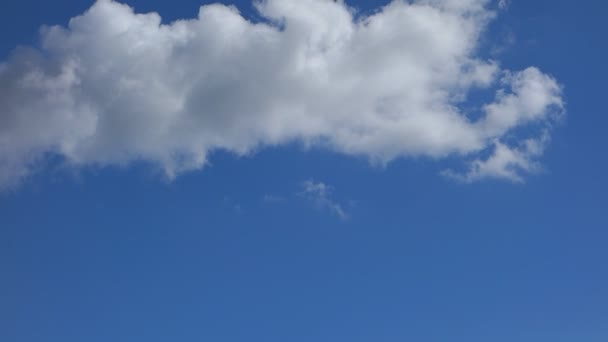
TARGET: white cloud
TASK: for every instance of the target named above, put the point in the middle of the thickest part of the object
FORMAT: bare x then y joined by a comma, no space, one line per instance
320,194
116,87
510,163
531,94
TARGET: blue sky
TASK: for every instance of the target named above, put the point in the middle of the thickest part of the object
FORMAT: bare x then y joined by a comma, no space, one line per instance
296,240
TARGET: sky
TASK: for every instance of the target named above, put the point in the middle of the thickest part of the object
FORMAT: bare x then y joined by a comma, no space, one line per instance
426,170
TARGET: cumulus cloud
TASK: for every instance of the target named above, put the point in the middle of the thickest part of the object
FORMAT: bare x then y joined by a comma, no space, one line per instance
319,193
115,86
505,162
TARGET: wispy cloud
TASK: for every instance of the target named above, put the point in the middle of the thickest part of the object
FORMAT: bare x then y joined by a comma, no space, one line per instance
232,204
273,199
320,194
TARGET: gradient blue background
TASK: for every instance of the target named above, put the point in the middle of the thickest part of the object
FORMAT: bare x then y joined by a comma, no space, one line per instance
119,255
